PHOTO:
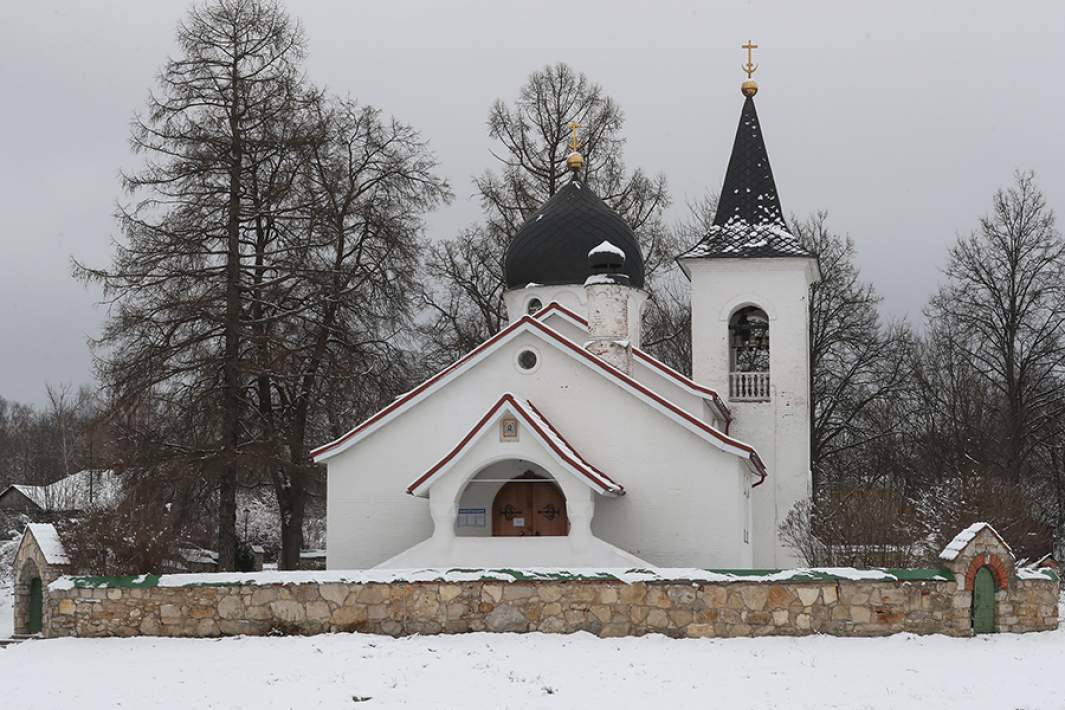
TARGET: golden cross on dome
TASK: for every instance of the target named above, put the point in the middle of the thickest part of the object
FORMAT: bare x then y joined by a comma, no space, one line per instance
573,126
750,67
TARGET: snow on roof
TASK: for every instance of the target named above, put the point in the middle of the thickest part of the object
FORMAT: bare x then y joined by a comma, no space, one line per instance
962,539
540,428
47,539
198,555
86,489
740,238
605,247
1026,573
34,493
1045,558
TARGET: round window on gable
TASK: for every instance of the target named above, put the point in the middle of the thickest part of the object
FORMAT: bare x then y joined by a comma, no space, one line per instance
533,306
528,360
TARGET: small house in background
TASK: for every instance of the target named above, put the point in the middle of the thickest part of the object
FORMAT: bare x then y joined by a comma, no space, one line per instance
312,559
1047,561
85,490
14,499
260,556
195,559
39,561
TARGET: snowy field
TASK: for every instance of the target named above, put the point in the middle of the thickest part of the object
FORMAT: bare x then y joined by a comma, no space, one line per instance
502,671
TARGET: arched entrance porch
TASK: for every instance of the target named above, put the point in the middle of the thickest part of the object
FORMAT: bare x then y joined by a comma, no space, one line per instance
512,498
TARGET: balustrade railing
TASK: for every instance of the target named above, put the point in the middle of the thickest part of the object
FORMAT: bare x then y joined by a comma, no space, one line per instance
748,386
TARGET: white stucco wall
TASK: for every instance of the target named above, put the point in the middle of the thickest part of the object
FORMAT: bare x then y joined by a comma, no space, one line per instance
680,509
648,376
778,429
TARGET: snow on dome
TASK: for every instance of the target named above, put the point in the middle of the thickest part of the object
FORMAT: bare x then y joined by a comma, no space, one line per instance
605,247
552,247
596,279
962,539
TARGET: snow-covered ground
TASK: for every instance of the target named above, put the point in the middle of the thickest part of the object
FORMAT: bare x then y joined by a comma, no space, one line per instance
536,671
7,583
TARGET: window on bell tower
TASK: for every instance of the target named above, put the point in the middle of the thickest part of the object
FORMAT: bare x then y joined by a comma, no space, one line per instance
749,355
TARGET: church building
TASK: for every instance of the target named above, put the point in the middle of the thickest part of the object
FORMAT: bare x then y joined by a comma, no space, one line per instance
559,442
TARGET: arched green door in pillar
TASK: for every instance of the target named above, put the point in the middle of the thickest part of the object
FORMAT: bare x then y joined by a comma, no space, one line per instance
36,603
984,601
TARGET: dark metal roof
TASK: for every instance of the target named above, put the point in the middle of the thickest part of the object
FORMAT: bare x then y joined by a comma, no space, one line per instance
749,220
552,246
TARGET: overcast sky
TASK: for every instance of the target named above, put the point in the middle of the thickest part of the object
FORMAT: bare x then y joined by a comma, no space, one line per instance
900,118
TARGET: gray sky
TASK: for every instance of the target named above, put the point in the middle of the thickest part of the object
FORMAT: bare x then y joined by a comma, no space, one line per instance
899,118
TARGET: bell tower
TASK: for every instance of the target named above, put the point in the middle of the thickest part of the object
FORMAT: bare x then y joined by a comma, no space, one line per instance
750,293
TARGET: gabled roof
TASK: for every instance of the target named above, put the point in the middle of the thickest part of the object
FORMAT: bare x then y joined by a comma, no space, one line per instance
528,324
48,541
544,432
17,492
962,540
749,221
644,358
82,490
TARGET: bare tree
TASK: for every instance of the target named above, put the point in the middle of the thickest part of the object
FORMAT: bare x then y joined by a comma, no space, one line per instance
1004,306
856,362
176,285
334,289
38,446
667,319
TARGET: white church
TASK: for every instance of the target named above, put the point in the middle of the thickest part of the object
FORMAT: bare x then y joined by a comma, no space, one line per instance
559,442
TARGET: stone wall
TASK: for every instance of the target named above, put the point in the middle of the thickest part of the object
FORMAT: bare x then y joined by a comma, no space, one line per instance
808,603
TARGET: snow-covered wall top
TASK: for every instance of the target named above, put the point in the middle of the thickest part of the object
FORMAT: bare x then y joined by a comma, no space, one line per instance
627,576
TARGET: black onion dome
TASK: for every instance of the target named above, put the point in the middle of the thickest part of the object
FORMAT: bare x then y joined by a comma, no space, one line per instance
552,247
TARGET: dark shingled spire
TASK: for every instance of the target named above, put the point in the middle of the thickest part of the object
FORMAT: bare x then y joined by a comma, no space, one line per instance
749,220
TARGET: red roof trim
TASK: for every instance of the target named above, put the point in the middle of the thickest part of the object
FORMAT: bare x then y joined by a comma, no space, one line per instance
646,357
576,349
564,440
590,472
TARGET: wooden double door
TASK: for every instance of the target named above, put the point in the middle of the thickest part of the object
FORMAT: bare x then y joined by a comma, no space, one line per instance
529,505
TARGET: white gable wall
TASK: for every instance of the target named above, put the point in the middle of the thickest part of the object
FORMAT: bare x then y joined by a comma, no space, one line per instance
682,491
683,397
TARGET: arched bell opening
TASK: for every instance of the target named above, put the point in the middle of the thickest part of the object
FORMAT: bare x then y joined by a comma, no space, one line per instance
749,355
512,498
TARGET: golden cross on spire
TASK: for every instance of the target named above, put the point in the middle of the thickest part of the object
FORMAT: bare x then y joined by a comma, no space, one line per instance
575,161
750,67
